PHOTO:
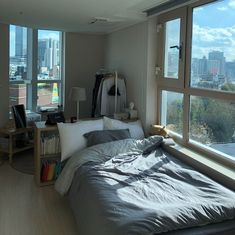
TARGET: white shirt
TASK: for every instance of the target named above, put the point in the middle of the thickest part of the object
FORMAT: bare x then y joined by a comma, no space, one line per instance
105,102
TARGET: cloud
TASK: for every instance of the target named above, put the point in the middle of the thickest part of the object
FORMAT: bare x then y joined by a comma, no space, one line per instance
198,9
232,3
208,34
222,8
206,39
47,34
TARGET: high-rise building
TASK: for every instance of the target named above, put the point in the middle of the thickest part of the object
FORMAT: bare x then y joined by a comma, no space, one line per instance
219,57
195,66
51,53
18,41
213,67
42,45
230,71
202,66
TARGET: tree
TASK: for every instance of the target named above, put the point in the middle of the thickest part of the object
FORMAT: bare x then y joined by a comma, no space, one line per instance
211,120
228,87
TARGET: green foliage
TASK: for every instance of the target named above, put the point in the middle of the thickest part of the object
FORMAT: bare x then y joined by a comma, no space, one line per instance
175,116
211,121
228,87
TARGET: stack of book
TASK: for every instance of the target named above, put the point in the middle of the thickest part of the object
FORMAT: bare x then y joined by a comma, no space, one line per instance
50,144
50,170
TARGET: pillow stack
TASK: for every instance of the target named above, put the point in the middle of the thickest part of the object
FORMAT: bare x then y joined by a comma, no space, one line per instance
77,136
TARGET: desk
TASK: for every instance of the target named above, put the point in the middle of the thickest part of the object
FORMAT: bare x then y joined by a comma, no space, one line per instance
9,145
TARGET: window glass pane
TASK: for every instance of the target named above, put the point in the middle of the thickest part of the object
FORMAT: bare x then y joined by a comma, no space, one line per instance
172,111
172,44
48,94
18,53
212,122
213,57
49,54
17,94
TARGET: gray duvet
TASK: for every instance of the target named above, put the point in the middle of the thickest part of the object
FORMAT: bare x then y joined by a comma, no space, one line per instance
134,187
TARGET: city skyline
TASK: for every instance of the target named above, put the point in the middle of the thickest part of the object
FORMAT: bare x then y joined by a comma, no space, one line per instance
214,64
48,54
42,34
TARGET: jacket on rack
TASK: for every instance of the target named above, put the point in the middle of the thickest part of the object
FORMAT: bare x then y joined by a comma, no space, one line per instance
105,102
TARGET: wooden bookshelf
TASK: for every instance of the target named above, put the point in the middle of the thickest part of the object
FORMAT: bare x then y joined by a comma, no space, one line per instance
42,129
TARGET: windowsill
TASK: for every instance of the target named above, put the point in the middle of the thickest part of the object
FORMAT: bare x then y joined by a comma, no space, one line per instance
214,169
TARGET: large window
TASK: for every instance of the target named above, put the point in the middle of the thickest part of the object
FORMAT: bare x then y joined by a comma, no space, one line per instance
199,107
35,67
49,68
18,65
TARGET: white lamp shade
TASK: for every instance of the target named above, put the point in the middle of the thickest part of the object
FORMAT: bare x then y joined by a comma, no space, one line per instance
78,94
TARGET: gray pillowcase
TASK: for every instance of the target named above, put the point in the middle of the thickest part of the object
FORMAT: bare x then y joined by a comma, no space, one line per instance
104,136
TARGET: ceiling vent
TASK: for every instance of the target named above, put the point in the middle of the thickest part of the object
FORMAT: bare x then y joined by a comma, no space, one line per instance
103,20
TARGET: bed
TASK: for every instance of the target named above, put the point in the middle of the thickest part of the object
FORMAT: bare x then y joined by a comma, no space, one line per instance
135,187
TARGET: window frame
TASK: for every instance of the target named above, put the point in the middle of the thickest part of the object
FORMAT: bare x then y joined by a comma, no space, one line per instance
32,62
184,86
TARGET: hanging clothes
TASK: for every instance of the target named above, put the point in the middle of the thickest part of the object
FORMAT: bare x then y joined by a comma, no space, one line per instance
98,79
106,100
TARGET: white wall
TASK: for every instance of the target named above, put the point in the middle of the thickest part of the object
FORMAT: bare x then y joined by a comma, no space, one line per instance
4,71
84,55
132,51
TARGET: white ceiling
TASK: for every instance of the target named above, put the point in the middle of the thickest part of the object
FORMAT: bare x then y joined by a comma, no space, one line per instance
75,15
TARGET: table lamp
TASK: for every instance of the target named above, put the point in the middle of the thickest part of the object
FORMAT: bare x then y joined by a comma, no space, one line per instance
78,94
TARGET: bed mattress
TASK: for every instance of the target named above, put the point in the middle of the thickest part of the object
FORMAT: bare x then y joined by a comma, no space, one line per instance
145,190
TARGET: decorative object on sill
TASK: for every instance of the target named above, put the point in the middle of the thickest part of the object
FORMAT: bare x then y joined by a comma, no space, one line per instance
132,113
159,130
78,94
131,105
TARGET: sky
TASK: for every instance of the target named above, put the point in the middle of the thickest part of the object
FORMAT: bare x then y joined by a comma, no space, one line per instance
42,34
214,29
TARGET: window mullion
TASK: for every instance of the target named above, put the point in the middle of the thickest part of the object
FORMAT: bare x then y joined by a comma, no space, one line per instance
186,110
29,68
34,57
187,67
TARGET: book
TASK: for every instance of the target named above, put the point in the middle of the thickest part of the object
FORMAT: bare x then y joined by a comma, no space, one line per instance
51,171
58,169
45,171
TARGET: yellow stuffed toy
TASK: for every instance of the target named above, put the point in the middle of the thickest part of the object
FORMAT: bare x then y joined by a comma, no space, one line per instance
159,130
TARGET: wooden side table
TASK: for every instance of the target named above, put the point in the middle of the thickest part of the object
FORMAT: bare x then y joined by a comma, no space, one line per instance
10,134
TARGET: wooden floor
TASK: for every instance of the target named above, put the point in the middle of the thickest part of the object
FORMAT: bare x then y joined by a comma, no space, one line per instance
26,209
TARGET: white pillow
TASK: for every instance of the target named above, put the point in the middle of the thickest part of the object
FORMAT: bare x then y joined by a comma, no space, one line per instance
71,135
135,128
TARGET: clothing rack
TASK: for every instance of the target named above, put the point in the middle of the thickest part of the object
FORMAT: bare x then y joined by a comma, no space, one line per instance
101,76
